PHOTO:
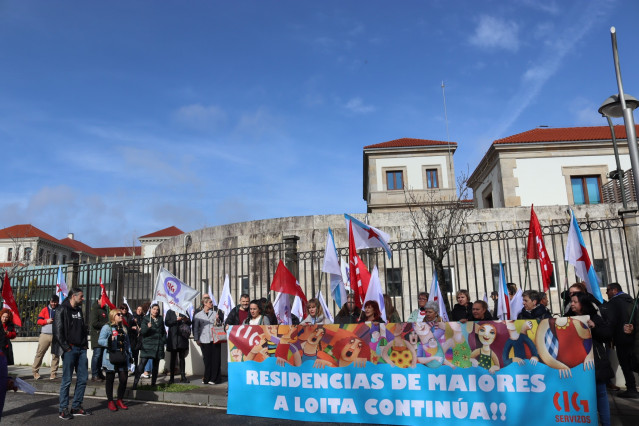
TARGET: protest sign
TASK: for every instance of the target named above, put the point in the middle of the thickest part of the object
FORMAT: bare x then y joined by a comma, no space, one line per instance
485,373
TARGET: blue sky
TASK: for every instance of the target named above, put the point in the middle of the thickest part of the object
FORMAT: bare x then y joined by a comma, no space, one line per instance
121,118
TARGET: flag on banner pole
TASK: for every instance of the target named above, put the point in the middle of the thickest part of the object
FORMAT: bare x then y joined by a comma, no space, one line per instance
61,288
537,249
104,299
374,293
282,308
173,292
332,267
503,302
360,277
9,302
367,236
577,256
284,282
226,301
297,309
327,314
436,296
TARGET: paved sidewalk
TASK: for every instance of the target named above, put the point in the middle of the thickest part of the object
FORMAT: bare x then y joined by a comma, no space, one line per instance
625,412
211,395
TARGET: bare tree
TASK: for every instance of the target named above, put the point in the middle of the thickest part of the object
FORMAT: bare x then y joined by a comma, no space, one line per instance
438,219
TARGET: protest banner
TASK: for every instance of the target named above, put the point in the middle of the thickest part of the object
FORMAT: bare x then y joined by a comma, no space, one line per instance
484,373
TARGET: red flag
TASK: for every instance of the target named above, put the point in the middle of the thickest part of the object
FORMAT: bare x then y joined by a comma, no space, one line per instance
9,302
360,277
285,282
104,299
537,249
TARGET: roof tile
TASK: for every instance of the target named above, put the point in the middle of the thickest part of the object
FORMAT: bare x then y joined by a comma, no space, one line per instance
561,134
408,142
171,231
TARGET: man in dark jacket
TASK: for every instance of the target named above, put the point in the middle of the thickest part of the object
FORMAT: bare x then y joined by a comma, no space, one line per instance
618,310
480,312
70,333
98,317
533,309
239,313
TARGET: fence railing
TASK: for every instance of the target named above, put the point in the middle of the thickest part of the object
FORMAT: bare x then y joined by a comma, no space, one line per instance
472,263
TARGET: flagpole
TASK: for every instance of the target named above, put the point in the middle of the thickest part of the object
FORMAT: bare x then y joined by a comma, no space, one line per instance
526,277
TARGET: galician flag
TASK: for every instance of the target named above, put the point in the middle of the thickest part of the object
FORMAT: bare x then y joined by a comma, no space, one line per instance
226,301
332,268
503,302
374,293
367,236
61,288
577,256
170,290
436,296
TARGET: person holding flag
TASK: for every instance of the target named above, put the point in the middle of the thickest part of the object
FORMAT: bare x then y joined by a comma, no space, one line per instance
537,250
98,317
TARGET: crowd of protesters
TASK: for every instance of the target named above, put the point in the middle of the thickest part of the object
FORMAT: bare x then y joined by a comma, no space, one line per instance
124,342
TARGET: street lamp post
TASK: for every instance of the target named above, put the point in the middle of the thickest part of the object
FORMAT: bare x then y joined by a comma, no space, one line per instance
622,105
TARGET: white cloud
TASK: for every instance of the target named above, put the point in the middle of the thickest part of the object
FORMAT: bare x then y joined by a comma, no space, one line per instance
492,32
585,113
357,106
200,117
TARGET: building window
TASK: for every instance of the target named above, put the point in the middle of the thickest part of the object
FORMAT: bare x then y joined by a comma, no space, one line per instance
586,189
431,178
394,281
394,180
64,260
27,253
10,255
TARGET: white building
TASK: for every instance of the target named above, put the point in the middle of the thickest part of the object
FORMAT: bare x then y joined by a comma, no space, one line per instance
423,166
548,166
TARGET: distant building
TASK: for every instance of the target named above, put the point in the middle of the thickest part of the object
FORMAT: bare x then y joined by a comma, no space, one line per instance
548,166
423,166
151,241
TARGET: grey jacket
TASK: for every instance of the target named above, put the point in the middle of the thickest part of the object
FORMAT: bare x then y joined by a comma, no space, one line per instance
202,323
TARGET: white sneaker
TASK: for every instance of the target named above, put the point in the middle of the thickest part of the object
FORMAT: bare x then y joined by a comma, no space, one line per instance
145,375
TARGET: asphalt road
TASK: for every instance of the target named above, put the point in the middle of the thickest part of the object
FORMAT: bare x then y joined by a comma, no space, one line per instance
42,409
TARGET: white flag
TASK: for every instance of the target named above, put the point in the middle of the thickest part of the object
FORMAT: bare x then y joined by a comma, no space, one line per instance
173,292
126,302
297,308
346,276
282,308
436,296
332,267
327,313
516,304
226,301
374,293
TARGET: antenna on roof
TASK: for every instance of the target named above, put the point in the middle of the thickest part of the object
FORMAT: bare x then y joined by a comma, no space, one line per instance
450,160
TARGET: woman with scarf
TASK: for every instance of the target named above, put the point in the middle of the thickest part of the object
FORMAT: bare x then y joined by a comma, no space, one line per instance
114,337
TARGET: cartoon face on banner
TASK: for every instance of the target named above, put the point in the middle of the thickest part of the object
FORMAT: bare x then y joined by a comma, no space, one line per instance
172,288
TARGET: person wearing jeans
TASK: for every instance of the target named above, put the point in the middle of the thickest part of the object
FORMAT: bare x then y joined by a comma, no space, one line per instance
69,332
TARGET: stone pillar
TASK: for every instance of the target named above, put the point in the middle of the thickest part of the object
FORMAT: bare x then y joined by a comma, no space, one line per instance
291,260
72,274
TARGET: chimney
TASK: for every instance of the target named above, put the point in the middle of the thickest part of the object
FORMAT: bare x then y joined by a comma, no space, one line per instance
70,235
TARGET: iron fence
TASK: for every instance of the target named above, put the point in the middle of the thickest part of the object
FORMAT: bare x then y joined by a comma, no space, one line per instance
472,263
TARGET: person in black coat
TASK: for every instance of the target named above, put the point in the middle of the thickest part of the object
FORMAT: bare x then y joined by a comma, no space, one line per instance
178,341
463,309
618,310
533,309
480,312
